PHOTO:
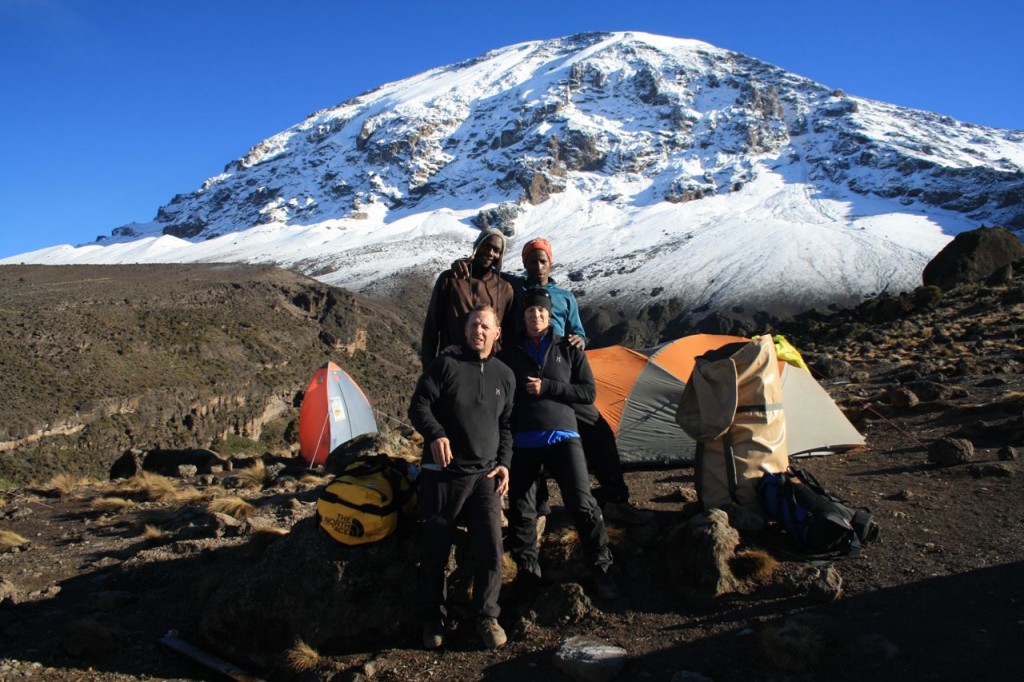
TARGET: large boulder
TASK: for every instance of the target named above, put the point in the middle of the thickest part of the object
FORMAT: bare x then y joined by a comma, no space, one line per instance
973,257
699,553
310,587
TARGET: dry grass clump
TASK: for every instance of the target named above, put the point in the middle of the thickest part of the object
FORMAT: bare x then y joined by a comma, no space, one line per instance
111,505
266,529
232,506
9,540
509,570
146,486
64,484
755,565
302,657
312,480
191,496
154,534
254,477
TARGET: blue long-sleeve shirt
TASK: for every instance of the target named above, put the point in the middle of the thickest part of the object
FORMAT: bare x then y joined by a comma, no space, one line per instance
565,311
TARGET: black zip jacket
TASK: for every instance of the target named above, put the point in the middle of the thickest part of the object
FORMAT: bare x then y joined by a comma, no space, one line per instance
566,380
468,401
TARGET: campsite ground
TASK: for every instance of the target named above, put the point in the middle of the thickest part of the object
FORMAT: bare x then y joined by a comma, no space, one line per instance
939,597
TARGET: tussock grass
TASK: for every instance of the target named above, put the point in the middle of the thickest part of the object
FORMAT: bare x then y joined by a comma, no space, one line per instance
190,496
157,488
154,534
270,530
301,657
232,506
755,565
111,505
10,540
64,484
146,486
255,476
1015,399
509,570
312,480
565,536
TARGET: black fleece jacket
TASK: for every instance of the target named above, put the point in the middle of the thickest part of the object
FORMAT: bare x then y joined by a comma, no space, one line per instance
566,380
468,401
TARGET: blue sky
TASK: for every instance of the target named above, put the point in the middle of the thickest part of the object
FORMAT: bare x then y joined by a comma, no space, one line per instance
108,108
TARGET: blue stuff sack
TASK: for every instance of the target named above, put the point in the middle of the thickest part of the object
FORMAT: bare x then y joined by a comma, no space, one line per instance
819,521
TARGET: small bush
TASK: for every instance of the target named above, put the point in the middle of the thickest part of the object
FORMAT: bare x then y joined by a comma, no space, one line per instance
927,297
233,445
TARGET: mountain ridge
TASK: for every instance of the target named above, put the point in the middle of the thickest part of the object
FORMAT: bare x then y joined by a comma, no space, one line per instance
705,175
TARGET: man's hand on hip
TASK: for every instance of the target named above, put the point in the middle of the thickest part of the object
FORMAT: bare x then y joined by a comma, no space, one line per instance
501,473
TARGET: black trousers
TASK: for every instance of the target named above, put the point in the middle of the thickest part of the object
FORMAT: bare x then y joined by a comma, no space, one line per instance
443,497
602,461
566,464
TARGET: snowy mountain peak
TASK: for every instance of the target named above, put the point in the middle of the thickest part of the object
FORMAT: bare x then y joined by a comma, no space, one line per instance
660,168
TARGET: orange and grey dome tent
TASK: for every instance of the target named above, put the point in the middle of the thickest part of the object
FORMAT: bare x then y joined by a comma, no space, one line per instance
638,392
334,411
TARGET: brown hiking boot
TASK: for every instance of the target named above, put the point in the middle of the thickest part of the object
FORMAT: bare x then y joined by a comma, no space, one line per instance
433,634
490,633
626,513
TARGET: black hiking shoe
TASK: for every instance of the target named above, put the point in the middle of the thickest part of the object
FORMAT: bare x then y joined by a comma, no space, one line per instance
606,585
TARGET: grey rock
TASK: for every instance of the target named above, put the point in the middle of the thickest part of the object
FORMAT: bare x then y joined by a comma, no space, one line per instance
1007,454
699,552
563,604
902,397
689,676
590,660
108,600
950,451
989,471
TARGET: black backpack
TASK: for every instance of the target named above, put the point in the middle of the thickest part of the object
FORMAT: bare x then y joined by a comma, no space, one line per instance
818,520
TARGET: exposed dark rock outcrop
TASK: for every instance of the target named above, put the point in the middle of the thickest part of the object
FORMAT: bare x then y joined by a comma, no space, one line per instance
973,257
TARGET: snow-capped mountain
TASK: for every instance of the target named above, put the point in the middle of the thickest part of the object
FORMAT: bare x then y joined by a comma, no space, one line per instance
659,167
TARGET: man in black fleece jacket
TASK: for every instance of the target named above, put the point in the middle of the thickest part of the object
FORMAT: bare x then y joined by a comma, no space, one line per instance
462,406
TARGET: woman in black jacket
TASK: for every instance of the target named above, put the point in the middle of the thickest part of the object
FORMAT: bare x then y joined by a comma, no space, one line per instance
551,376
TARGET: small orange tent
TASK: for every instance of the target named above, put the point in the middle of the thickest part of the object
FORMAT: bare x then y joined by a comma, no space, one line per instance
334,411
638,392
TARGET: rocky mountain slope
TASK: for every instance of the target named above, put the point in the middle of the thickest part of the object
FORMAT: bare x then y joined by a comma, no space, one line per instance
721,178
94,575
98,359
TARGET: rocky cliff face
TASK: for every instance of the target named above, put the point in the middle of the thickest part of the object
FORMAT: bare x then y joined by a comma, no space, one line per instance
98,359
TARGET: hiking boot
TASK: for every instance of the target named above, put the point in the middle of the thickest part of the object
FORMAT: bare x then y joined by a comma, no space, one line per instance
606,586
490,633
626,513
433,634
528,586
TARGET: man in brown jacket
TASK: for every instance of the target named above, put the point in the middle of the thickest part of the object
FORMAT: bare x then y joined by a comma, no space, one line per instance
453,298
